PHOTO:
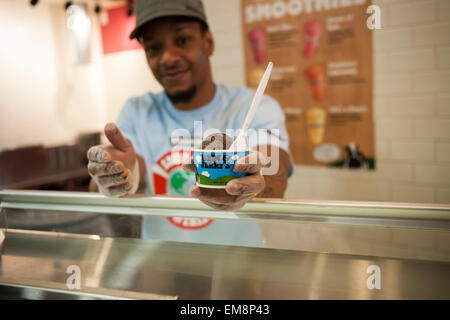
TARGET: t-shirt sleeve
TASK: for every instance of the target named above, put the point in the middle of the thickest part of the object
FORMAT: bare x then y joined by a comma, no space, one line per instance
268,127
127,123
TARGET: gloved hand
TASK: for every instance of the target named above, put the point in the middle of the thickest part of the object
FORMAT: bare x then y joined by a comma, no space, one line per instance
238,191
115,167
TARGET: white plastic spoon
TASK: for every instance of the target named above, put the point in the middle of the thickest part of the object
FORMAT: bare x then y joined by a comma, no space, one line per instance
241,142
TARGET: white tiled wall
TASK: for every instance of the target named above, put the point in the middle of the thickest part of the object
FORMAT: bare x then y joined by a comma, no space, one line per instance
46,98
411,104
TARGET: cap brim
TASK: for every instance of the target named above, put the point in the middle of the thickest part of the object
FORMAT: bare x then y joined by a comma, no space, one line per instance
162,14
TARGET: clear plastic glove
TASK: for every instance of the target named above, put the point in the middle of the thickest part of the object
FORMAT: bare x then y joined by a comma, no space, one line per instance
238,191
115,167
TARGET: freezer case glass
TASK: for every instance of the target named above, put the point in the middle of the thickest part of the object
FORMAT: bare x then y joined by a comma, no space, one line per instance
86,246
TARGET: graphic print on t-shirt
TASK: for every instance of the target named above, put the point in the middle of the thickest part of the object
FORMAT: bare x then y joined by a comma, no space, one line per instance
169,178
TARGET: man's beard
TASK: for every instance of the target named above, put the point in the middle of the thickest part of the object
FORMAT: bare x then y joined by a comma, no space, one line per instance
182,96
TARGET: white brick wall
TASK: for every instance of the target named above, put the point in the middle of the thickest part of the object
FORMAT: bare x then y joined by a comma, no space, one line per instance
412,60
411,13
443,151
432,34
388,84
438,81
432,128
443,9
434,174
444,57
444,105
392,39
381,62
382,149
411,104
443,194
394,128
415,193
413,151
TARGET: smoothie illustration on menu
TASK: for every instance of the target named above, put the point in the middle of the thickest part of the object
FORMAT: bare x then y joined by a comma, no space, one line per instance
257,39
255,76
316,78
312,32
315,123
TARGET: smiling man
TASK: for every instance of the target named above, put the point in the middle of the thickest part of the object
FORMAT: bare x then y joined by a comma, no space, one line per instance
142,156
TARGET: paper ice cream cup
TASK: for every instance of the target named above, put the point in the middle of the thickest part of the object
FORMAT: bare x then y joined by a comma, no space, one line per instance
214,168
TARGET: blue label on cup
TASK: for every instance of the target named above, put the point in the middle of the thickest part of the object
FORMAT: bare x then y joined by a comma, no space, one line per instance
215,168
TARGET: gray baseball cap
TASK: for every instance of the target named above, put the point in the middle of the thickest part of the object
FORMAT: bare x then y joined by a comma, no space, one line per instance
147,10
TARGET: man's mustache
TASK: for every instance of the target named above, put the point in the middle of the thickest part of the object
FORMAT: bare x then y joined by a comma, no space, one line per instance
174,68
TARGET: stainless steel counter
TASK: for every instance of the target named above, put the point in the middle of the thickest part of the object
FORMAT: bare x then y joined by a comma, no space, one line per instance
316,250
145,269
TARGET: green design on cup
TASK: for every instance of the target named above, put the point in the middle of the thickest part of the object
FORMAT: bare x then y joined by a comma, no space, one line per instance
215,168
216,182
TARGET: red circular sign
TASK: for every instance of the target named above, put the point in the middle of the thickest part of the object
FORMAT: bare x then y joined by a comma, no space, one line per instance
190,223
162,172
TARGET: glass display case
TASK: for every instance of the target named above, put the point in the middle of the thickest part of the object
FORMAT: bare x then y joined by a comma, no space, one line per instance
68,245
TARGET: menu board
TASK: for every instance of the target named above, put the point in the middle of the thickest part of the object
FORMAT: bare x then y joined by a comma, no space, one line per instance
322,75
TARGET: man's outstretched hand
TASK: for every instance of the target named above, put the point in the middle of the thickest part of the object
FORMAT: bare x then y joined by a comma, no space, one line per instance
238,191
115,167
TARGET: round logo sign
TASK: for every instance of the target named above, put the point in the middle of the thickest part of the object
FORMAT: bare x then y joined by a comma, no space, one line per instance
169,178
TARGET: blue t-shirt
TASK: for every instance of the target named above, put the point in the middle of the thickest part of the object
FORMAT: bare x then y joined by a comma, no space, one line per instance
162,135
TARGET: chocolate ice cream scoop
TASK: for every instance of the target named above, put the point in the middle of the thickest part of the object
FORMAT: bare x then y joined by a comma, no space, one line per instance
217,141
214,164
